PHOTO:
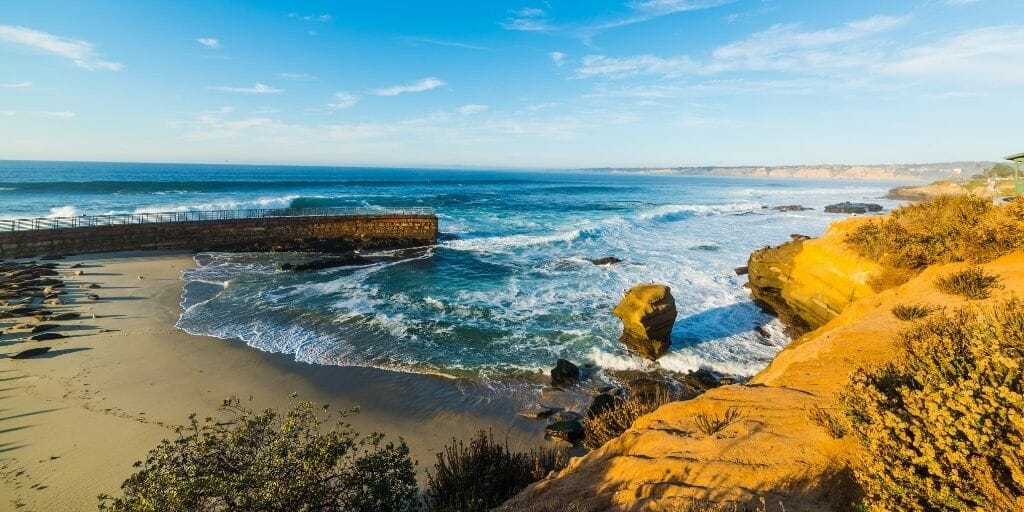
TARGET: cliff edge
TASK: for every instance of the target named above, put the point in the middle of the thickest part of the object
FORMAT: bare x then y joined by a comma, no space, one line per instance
769,453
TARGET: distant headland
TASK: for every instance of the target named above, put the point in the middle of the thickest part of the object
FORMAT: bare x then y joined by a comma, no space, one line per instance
910,172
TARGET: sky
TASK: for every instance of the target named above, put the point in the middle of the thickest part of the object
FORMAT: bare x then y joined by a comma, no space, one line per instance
520,84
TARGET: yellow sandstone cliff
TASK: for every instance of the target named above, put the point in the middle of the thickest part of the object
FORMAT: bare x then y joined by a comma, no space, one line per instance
774,452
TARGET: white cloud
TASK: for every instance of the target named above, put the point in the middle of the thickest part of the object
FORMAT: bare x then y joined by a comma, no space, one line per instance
16,85
985,54
256,89
81,53
558,58
343,100
425,84
542,106
209,42
611,67
471,109
63,114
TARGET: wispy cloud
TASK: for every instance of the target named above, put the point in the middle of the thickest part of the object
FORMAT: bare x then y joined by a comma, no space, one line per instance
779,48
982,54
558,58
527,19
425,84
443,42
343,100
255,89
322,18
56,114
296,77
16,85
209,42
472,109
612,67
81,53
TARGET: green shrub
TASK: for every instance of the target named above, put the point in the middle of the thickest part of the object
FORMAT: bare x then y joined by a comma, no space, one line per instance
485,474
945,229
908,312
941,427
972,283
612,422
709,424
267,461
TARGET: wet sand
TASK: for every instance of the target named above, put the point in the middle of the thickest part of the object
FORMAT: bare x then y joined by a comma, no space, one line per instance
73,421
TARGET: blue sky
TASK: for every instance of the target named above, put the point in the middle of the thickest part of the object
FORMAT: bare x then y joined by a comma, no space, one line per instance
512,84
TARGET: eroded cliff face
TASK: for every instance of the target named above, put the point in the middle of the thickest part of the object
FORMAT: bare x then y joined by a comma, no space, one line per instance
773,451
808,282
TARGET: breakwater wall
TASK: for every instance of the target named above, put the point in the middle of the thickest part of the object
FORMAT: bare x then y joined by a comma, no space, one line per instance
313,233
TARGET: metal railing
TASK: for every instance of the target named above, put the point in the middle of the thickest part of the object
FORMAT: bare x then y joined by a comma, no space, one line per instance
118,219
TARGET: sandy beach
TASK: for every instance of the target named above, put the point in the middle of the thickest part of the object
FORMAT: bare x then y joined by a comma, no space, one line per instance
73,421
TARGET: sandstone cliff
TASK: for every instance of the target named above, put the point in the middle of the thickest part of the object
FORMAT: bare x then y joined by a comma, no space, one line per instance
773,451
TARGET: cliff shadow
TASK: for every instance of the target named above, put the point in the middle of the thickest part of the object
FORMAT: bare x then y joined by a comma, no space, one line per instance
716,323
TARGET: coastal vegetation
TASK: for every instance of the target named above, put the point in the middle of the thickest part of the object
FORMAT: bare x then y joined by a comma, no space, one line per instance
908,312
611,422
972,283
941,426
945,229
482,474
304,459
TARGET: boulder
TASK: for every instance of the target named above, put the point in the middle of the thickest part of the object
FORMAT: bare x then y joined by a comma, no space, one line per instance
607,260
741,271
92,296
647,312
564,374
569,430
848,207
25,354
536,413
89,286
65,316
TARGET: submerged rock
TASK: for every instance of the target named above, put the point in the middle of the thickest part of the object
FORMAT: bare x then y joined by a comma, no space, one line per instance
347,260
564,374
647,312
849,207
791,208
570,431
607,260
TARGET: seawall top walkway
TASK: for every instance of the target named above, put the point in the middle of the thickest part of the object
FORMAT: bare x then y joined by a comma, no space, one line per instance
120,219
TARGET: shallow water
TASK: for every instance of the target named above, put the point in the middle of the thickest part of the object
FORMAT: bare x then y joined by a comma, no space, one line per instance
508,290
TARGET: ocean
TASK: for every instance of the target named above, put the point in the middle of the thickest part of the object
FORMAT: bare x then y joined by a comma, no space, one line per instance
509,288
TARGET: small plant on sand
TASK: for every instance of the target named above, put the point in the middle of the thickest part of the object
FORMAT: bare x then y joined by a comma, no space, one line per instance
973,283
941,426
484,474
828,420
305,459
613,421
908,312
710,425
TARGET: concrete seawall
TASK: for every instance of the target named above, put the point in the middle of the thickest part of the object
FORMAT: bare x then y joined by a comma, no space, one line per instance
310,233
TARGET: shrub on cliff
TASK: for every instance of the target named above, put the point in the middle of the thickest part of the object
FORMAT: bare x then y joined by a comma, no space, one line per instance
942,425
611,422
484,474
941,230
302,460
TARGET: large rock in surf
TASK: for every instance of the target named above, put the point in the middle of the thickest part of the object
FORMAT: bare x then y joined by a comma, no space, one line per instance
564,374
647,312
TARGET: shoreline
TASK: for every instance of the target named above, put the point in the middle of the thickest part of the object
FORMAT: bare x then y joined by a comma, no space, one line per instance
76,419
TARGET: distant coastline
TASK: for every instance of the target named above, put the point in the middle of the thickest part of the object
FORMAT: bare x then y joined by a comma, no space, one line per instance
908,172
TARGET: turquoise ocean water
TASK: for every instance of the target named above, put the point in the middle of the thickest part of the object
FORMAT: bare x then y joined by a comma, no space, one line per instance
507,291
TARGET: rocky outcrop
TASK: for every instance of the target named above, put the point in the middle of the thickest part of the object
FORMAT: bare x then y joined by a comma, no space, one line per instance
647,312
773,451
791,208
849,207
807,282
607,260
